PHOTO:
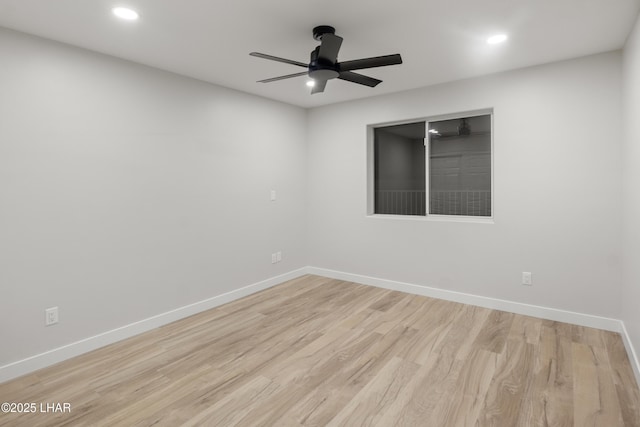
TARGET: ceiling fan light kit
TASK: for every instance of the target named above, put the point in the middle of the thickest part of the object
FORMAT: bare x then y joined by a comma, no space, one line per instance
324,66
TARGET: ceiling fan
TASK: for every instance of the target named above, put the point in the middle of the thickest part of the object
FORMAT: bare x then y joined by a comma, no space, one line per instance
324,63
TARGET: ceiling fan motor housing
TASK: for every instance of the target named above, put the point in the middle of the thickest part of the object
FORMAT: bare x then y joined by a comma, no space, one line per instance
319,69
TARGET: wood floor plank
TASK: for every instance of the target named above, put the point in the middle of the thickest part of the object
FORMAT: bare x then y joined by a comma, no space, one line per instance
595,399
309,360
233,407
329,397
367,406
390,299
463,403
555,376
623,378
494,332
316,351
435,383
402,410
506,393
275,410
526,328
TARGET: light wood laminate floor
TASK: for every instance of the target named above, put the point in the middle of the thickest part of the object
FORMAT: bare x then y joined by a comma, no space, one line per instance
317,351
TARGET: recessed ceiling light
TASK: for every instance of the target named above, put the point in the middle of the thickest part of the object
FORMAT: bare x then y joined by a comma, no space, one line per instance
311,83
124,13
498,38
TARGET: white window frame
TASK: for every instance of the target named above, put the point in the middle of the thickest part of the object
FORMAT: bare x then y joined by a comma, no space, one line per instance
370,208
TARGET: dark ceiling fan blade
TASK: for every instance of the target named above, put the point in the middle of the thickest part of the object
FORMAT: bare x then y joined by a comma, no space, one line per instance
329,48
288,76
359,78
319,86
377,61
275,58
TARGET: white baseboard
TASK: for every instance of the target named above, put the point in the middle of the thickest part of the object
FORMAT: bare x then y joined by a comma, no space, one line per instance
631,352
581,319
48,358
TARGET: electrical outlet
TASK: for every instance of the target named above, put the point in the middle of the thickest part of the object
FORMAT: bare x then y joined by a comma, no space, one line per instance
274,258
278,256
51,316
273,195
526,278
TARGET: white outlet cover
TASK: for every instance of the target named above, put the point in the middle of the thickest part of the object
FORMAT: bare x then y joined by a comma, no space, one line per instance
51,316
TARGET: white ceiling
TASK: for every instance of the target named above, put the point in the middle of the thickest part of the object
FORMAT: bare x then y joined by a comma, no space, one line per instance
440,40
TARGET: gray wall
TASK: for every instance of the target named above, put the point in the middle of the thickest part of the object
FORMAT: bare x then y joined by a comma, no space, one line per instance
126,192
631,185
557,190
